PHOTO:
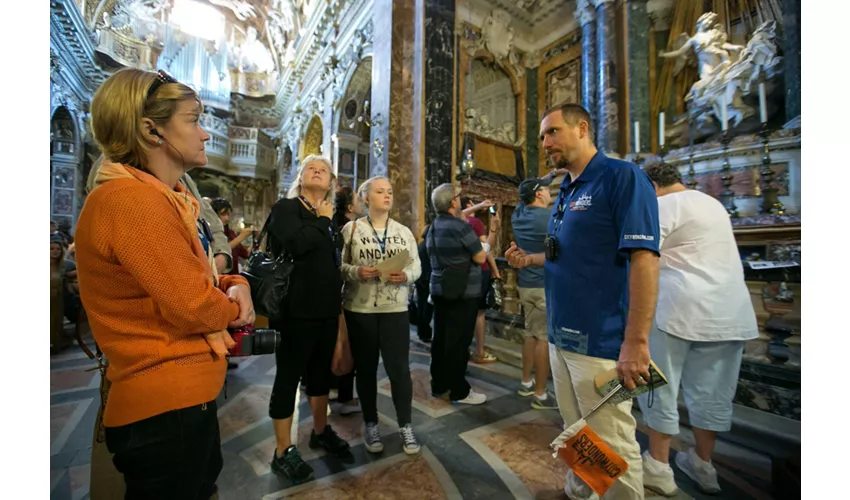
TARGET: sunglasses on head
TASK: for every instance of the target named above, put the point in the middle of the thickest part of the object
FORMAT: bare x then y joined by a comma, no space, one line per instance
162,77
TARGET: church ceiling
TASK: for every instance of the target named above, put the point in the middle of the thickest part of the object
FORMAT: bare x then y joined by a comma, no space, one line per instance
532,14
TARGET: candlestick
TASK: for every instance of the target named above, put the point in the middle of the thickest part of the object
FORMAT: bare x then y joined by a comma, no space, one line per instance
770,193
762,104
661,129
728,195
724,123
637,137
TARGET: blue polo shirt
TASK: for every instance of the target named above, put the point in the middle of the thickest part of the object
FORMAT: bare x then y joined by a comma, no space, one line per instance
608,210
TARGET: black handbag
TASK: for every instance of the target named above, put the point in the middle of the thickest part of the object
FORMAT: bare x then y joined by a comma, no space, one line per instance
268,277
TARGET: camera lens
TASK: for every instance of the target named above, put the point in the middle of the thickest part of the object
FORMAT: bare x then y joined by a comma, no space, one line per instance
265,341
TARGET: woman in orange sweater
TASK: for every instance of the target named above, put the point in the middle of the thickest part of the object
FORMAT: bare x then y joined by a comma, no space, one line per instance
155,304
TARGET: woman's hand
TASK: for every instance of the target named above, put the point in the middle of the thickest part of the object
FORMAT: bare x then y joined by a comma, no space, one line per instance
241,294
397,278
366,273
325,209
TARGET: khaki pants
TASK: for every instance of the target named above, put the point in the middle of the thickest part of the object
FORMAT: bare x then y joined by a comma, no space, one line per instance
576,394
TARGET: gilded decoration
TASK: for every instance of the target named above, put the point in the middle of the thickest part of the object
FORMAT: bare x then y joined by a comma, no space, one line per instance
312,144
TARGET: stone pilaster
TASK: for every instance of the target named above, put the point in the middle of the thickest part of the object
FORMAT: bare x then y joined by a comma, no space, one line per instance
586,16
638,57
791,57
393,127
532,121
607,121
439,59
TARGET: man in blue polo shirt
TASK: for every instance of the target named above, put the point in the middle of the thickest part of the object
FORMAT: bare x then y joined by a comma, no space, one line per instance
601,282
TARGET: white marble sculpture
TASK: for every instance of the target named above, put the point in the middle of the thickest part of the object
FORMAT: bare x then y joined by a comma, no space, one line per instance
252,56
723,77
497,37
241,9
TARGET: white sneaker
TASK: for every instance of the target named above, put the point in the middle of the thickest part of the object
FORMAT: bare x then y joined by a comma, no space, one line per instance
658,476
409,441
525,390
703,473
372,438
473,398
576,489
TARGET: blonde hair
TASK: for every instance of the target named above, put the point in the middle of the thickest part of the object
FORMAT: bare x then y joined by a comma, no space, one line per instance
295,189
363,190
120,104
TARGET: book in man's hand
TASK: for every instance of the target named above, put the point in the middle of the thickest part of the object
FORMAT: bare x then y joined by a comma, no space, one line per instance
605,382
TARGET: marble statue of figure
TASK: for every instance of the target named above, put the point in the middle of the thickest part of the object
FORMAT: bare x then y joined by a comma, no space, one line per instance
472,120
493,34
484,126
508,132
253,56
107,21
241,9
723,78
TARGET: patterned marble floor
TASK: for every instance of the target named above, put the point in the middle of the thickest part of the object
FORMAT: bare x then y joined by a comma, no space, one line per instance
495,451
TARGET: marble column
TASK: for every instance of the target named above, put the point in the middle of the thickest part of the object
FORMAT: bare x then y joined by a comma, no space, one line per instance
393,96
638,57
791,57
532,121
439,60
586,16
607,122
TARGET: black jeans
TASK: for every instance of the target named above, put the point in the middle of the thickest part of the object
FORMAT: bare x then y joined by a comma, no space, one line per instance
454,327
426,311
173,455
389,335
306,350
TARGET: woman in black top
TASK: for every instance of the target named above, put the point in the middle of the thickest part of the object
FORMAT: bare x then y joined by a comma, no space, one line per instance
301,227
425,309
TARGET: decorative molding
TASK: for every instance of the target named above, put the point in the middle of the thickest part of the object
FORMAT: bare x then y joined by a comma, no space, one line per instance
585,12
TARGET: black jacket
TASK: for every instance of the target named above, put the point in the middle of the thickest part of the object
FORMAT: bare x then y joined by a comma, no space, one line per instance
314,244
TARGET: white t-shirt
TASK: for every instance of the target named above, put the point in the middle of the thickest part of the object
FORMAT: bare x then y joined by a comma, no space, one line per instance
701,291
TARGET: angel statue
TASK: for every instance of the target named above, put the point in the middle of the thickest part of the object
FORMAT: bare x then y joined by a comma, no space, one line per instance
241,9
722,78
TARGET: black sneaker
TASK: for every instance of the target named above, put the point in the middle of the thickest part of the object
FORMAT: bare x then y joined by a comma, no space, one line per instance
292,466
329,440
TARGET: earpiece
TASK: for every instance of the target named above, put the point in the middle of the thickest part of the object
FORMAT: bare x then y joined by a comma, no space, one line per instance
156,133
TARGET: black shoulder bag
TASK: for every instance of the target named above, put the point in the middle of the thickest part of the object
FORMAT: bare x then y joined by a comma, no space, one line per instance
268,276
453,279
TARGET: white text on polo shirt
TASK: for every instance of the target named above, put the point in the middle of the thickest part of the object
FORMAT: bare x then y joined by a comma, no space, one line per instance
647,237
582,203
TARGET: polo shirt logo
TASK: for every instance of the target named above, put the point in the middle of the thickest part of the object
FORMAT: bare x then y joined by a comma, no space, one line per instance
582,203
645,237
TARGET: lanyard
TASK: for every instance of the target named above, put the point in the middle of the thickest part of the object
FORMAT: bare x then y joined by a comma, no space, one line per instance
562,208
381,242
312,209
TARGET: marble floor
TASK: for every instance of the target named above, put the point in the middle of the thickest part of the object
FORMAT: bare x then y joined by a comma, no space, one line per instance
495,451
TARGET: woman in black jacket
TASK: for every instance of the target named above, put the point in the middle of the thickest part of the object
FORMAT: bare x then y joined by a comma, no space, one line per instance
301,227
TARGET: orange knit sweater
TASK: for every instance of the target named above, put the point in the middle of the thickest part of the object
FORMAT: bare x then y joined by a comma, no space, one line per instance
149,301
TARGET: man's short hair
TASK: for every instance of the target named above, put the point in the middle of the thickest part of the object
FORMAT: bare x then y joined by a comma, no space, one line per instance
663,174
442,196
572,115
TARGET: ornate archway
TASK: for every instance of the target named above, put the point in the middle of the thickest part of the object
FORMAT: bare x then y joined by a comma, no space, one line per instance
312,144
353,127
64,168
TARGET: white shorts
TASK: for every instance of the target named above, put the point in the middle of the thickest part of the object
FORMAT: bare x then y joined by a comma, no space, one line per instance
708,372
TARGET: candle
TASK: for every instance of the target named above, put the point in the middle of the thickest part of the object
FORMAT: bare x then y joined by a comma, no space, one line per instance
661,129
762,104
637,137
724,123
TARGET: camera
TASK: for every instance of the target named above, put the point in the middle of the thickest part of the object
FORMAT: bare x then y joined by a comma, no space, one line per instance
551,244
252,341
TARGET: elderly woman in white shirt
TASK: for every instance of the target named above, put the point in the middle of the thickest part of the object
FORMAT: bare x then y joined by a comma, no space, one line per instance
376,308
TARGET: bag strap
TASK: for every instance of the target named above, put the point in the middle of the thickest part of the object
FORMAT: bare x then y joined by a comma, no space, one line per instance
263,233
351,240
